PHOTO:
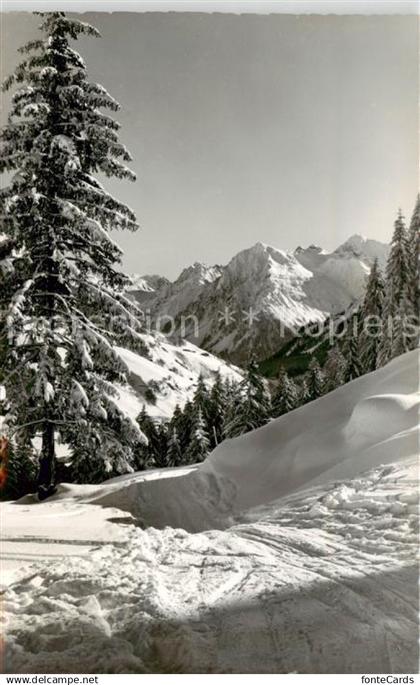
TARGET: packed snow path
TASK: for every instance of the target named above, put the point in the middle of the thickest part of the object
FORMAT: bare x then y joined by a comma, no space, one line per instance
325,581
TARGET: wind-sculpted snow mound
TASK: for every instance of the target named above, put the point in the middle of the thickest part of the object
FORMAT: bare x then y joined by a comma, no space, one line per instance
324,581
380,417
194,500
371,421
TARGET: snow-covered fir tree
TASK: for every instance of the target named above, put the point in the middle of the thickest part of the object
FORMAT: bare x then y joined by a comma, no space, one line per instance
160,447
173,453
286,397
397,277
233,407
61,361
175,418
182,422
6,253
216,411
371,320
201,398
143,457
200,443
397,268
315,380
334,368
351,348
251,408
303,392
400,342
152,454
413,286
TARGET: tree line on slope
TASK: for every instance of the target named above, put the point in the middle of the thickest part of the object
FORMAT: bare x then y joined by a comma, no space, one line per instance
226,409
386,323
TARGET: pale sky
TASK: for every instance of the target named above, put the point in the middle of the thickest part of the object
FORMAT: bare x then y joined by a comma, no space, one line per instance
288,130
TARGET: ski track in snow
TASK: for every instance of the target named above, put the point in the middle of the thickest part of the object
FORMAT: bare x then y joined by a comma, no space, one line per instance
292,549
282,590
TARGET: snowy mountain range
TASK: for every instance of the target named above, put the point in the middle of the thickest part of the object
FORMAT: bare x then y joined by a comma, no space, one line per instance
261,297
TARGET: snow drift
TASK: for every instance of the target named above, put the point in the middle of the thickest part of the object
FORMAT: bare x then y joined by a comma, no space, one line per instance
371,421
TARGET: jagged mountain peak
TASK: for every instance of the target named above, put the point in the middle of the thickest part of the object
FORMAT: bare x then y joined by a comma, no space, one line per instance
257,259
264,293
366,249
311,248
356,239
260,248
199,273
149,283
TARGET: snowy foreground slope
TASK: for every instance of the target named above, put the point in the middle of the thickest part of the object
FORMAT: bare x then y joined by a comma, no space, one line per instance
304,559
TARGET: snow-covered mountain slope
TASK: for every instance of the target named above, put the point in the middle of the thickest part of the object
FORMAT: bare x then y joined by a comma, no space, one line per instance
365,249
169,372
164,375
173,298
149,283
320,580
262,295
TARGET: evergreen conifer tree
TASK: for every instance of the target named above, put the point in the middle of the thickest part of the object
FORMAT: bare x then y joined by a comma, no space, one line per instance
201,398
413,288
397,268
303,392
160,445
397,278
216,411
234,407
371,320
252,407
182,421
175,418
400,341
315,380
173,454
351,348
61,361
335,368
285,398
200,443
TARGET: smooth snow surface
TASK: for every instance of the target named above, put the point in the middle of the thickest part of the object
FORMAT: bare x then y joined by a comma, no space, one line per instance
369,421
313,568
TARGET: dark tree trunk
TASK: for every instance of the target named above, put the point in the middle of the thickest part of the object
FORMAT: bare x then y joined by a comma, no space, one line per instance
47,463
